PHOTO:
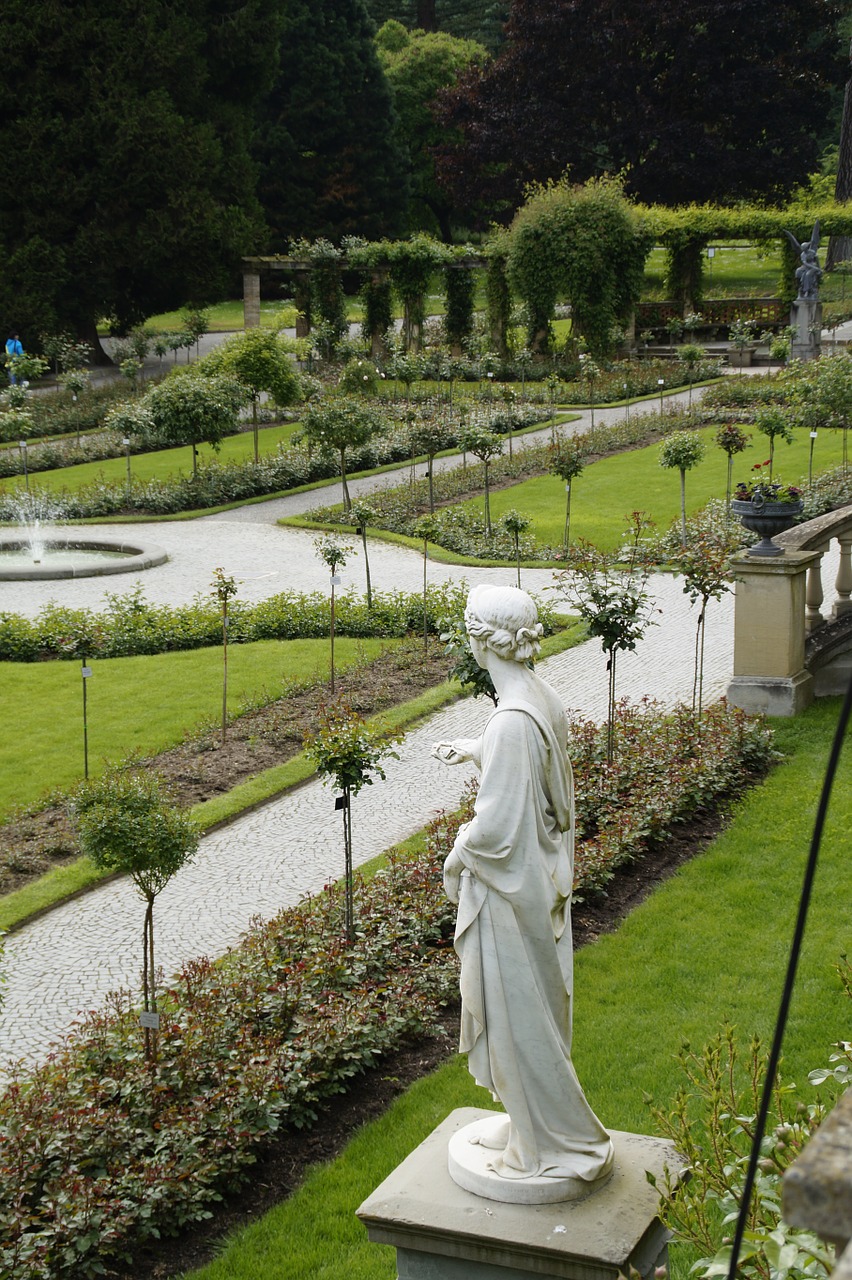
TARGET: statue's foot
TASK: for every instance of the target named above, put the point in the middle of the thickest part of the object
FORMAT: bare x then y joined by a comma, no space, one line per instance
492,1133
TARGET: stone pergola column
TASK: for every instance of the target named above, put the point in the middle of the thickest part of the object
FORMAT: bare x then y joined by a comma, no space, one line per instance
302,299
769,633
251,299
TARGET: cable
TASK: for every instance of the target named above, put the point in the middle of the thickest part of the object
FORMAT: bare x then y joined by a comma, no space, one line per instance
780,1025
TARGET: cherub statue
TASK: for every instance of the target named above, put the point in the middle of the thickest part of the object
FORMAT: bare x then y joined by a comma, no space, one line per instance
809,274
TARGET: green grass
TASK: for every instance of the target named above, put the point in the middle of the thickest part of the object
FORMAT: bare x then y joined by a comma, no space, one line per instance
735,270
709,945
137,705
224,317
603,497
63,882
162,464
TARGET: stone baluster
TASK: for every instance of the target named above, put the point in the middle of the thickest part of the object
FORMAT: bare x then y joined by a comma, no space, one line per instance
251,299
843,584
814,595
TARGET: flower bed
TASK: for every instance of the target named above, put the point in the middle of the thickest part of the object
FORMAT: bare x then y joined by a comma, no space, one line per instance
99,1152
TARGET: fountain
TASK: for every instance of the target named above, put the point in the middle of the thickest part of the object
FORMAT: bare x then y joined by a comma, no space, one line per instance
38,549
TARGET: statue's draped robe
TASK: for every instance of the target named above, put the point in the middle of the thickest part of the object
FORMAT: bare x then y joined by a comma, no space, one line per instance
514,938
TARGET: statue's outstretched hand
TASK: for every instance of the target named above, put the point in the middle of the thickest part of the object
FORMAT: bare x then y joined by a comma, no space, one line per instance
457,752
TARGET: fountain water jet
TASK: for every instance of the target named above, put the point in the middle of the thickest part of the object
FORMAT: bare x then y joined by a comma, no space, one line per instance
37,549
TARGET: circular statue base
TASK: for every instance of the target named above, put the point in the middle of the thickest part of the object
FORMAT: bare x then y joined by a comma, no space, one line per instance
471,1152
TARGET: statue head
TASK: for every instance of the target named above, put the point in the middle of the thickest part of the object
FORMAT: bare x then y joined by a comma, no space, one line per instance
504,620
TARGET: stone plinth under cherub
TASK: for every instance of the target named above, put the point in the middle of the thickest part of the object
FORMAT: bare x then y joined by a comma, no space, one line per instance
806,310
511,873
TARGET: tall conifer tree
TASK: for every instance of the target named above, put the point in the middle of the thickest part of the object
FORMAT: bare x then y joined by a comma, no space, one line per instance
127,186
331,164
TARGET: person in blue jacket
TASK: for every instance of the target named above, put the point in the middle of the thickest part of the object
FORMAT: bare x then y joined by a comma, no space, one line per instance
13,350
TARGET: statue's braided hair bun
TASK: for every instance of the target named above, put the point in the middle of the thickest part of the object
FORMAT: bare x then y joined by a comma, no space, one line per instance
505,619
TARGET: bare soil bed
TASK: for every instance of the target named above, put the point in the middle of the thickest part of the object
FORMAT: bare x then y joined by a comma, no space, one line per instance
203,766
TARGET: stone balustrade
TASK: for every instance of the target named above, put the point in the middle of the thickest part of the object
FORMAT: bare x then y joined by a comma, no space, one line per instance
787,650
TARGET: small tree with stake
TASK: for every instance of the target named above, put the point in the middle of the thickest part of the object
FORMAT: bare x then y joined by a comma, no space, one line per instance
705,567
773,423
427,529
484,445
567,460
348,751
340,426
224,589
683,450
364,514
431,436
516,524
608,590
589,371
333,553
691,355
731,439
126,822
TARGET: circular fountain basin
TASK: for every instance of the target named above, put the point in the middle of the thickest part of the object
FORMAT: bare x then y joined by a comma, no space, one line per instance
75,558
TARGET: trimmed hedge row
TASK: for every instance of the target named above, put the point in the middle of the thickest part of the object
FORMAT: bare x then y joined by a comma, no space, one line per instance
133,625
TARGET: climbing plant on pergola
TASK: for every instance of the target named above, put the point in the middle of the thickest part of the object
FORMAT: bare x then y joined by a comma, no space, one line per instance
587,243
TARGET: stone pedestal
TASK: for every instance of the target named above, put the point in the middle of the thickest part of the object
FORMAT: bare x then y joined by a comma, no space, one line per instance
442,1232
251,299
806,319
769,634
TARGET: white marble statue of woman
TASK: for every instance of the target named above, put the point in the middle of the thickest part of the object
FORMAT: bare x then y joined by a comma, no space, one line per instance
511,873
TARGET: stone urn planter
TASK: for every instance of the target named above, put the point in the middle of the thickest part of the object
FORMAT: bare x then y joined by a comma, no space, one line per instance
766,519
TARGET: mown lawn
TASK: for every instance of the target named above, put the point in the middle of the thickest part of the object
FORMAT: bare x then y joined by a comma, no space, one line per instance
139,705
605,494
709,946
162,464
735,270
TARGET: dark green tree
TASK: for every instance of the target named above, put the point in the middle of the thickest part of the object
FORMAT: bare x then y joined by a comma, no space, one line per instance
129,187
694,100
418,64
330,162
